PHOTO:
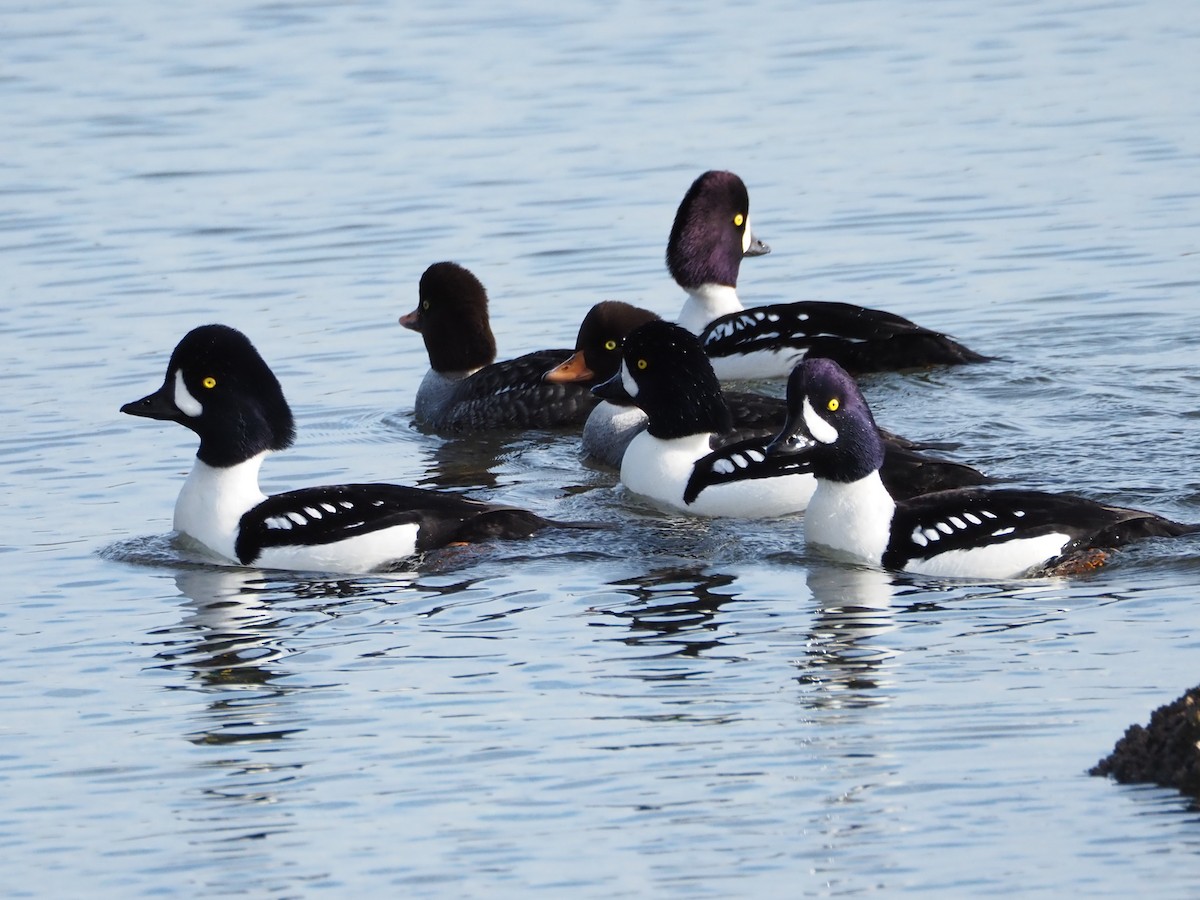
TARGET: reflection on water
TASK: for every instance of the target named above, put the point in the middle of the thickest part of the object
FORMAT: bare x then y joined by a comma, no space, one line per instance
233,645
234,642
845,664
467,462
228,638
239,631
673,611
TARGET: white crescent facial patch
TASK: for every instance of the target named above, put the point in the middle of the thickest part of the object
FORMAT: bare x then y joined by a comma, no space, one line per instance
188,405
818,427
627,381
747,237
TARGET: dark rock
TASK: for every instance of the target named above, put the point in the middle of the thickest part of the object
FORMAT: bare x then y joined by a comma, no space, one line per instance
1165,752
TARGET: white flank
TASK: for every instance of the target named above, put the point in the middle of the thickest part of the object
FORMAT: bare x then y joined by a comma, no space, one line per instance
188,405
853,520
659,471
213,500
359,554
1010,559
818,427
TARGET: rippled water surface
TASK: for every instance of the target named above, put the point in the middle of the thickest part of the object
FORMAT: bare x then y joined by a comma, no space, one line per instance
677,708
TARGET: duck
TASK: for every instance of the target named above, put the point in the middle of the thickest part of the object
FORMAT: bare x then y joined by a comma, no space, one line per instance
612,424
665,373
973,532
465,389
709,237
218,386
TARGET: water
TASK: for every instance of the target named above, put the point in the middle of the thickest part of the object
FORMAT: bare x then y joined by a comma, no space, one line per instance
684,708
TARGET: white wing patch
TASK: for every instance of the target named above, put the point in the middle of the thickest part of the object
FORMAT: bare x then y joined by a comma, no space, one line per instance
754,322
728,464
924,535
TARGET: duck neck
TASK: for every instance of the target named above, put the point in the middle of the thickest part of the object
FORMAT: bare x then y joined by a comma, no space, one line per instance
707,302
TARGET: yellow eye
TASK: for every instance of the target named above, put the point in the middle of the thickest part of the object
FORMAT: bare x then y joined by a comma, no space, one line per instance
610,345
641,364
738,220
832,405
209,382
424,304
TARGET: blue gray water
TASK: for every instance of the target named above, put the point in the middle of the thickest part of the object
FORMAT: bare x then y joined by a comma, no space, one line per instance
681,708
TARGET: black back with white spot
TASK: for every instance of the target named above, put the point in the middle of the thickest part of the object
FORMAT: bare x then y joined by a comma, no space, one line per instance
741,461
905,473
325,515
926,526
859,339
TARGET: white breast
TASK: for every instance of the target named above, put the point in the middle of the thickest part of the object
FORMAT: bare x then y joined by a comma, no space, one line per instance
213,500
853,520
